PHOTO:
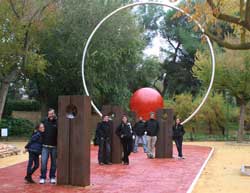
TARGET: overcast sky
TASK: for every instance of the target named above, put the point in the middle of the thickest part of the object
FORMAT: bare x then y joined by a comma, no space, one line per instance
158,41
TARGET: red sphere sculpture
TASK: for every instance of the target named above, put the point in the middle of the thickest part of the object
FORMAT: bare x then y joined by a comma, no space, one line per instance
144,101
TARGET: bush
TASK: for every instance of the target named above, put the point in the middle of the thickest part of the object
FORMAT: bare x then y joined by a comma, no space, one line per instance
215,117
17,127
20,105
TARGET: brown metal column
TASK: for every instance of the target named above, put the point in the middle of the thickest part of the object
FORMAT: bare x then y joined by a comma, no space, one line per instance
164,145
80,142
63,141
74,141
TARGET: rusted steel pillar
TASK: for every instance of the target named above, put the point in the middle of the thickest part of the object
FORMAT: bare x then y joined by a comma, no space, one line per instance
73,162
164,145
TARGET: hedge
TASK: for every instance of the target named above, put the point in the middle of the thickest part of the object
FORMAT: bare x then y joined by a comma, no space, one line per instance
17,127
20,105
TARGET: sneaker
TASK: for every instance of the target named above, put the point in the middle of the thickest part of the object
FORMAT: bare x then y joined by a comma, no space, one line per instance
42,181
109,163
52,180
101,163
29,179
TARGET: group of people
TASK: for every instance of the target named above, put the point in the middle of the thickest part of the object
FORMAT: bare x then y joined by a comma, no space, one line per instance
143,132
43,142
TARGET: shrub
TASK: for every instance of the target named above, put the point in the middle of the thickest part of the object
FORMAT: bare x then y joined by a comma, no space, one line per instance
17,127
216,116
20,105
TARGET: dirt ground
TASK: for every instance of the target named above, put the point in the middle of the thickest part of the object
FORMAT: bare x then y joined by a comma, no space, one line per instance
8,161
222,173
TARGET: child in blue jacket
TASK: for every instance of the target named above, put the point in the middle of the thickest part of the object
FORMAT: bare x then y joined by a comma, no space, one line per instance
34,147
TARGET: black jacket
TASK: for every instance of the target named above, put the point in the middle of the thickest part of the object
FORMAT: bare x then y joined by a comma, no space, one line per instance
139,128
103,130
35,143
178,130
50,133
124,131
152,127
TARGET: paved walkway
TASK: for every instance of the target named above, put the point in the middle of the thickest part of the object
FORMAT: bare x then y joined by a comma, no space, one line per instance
141,176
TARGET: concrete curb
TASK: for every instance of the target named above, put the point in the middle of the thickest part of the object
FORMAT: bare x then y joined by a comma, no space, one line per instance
191,187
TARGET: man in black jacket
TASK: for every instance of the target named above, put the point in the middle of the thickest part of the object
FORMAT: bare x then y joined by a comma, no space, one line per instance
139,130
152,129
103,136
49,147
178,132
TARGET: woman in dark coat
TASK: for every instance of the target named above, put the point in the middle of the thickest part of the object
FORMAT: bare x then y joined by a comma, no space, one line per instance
178,132
125,133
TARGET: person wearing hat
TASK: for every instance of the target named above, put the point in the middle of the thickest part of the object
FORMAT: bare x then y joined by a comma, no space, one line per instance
152,129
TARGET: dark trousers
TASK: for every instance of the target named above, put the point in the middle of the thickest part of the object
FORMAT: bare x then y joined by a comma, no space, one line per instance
33,163
178,142
46,152
104,151
127,144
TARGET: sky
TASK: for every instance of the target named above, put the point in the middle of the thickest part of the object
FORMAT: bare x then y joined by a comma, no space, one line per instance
158,41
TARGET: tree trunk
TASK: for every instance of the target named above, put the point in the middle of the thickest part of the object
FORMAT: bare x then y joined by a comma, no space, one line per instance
5,84
3,94
44,108
240,136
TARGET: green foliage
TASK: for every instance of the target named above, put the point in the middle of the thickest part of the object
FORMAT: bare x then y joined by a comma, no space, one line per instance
113,58
183,42
232,72
17,50
213,114
21,105
212,118
17,127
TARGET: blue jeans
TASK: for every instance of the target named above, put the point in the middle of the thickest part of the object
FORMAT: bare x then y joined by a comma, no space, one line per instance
33,163
143,139
46,152
104,151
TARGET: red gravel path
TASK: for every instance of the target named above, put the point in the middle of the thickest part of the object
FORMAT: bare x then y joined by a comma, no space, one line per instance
141,176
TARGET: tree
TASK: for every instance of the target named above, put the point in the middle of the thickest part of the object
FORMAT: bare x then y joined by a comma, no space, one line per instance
114,56
232,75
19,52
182,42
210,13
179,50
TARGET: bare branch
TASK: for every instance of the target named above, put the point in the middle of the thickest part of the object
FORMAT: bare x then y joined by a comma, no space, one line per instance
176,52
38,12
14,9
228,18
226,44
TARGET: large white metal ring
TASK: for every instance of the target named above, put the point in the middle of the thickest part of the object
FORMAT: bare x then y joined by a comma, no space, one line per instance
150,3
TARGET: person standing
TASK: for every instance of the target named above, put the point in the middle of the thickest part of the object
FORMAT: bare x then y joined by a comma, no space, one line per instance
103,136
125,133
139,130
152,129
34,147
178,133
49,147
